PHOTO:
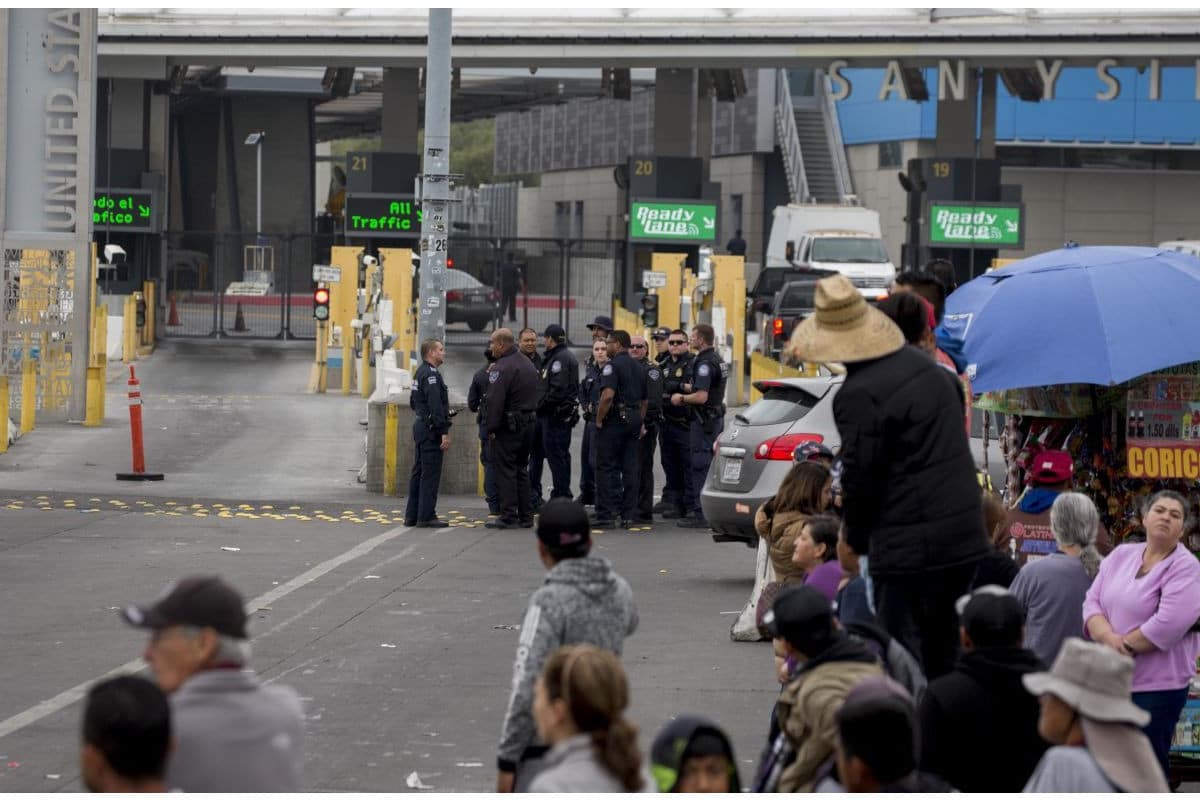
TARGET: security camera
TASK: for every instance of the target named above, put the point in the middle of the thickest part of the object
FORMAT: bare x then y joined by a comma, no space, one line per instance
114,254
370,261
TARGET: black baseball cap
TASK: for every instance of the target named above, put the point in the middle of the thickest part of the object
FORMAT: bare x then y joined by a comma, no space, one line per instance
555,331
563,526
661,333
601,322
803,617
811,451
991,616
203,601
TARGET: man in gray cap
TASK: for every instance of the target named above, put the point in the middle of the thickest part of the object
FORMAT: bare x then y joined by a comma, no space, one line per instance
232,733
558,411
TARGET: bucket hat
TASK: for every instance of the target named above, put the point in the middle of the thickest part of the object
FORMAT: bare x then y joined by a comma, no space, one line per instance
844,327
1096,682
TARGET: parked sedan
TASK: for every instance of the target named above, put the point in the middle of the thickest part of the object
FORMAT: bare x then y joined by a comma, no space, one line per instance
469,301
754,452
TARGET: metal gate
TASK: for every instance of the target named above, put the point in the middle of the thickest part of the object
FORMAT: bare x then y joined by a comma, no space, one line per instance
564,281
238,285
37,333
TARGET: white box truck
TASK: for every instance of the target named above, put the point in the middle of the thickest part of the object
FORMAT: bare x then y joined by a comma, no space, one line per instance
846,239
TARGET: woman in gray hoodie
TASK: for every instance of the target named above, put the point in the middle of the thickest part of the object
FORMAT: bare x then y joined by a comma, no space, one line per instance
578,706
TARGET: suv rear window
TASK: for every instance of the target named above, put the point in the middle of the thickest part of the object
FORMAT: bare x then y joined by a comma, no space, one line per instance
780,404
798,296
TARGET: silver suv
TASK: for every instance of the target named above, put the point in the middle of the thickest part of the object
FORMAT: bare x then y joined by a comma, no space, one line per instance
754,452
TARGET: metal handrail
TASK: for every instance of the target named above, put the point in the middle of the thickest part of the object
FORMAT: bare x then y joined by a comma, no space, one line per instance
789,139
837,147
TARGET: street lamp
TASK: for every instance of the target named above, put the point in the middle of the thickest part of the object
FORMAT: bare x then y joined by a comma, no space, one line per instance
255,140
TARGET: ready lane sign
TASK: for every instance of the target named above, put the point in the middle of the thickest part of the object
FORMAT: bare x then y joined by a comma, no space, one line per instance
983,225
672,221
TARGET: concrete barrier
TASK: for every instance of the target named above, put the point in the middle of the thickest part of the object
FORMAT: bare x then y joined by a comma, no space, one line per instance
459,470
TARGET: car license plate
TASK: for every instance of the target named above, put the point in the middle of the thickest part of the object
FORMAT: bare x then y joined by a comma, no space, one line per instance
731,470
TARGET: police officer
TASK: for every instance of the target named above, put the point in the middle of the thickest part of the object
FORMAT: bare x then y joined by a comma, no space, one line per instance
512,397
674,440
704,396
618,422
477,402
558,408
527,342
661,351
589,399
652,419
431,434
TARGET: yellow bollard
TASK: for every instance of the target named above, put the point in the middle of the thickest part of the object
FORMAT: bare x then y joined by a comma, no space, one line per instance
95,395
391,432
347,359
4,416
28,393
368,380
129,330
148,331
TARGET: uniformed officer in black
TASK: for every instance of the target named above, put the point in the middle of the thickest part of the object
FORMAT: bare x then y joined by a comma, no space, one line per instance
648,437
589,401
618,423
558,408
674,434
477,402
704,396
512,396
527,343
431,434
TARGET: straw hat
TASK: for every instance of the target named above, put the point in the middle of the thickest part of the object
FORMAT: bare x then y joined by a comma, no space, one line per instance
844,328
1096,682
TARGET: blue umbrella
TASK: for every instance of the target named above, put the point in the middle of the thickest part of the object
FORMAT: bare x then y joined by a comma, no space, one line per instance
1101,315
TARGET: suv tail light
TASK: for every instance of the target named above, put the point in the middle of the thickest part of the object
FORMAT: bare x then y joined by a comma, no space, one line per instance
781,447
777,326
453,296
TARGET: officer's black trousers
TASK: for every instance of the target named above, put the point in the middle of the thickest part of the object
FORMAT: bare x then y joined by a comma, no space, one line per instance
617,468
587,465
702,456
646,445
676,448
510,458
537,454
556,444
489,472
426,475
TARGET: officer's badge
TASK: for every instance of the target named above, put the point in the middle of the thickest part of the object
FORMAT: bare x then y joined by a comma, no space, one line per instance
607,370
493,377
433,379
556,367
655,374
679,372
702,370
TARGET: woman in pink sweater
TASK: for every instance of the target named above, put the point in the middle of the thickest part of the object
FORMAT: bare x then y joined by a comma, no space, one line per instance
1143,603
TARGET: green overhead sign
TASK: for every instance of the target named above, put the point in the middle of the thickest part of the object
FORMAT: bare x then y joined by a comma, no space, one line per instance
982,225
672,221
124,210
382,216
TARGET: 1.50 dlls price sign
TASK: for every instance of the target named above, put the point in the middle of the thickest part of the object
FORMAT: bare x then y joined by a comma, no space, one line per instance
982,225
126,210
672,221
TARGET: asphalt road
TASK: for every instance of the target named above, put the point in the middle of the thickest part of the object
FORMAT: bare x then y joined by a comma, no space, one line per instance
400,640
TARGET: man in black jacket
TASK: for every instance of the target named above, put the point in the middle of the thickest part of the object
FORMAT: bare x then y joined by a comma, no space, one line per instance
477,403
512,397
978,723
910,498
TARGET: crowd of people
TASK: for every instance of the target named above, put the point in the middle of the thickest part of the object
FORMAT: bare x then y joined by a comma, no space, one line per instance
925,637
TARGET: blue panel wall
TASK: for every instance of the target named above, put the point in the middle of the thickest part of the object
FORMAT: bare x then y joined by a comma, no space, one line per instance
1075,115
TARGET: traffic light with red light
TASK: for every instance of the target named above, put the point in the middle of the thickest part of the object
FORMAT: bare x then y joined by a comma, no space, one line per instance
321,304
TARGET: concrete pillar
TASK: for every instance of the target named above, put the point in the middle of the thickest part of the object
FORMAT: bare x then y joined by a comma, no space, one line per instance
987,115
401,101
704,130
159,114
128,112
675,106
956,122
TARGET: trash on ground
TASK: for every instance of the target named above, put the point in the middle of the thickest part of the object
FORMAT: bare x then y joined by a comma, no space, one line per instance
232,549
413,781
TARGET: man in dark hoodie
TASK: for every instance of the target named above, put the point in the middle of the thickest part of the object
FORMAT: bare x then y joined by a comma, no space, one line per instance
978,724
692,755
824,664
581,601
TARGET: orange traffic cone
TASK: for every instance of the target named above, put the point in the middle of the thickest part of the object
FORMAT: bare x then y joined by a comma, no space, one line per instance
239,324
173,318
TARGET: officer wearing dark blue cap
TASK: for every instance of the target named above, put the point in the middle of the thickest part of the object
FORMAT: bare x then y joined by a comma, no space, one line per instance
558,407
618,424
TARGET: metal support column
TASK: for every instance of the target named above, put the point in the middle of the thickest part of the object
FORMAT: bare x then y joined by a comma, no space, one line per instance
435,183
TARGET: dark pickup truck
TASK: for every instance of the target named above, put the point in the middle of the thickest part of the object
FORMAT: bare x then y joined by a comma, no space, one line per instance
792,303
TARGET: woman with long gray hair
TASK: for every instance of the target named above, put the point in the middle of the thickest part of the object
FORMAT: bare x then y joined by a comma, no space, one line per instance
1052,589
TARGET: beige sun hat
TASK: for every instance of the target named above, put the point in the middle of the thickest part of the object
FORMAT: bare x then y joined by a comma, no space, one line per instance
844,328
1096,682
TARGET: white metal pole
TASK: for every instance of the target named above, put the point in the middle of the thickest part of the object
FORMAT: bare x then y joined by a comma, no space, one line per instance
435,186
258,196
